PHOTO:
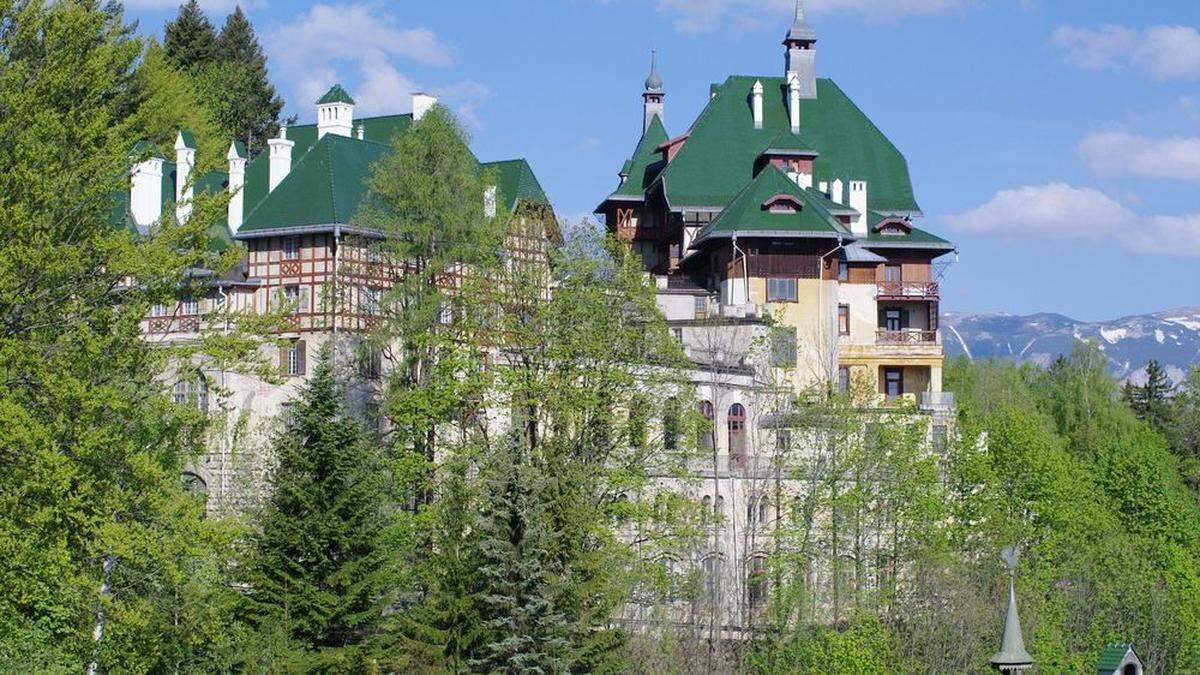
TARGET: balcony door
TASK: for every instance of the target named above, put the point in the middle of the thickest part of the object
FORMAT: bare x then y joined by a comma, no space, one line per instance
893,319
893,383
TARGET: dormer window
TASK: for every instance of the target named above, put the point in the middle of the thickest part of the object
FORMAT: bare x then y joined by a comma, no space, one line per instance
893,227
783,203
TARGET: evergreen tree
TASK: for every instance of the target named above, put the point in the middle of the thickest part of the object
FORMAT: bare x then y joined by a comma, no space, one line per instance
1151,401
523,630
190,39
245,102
317,569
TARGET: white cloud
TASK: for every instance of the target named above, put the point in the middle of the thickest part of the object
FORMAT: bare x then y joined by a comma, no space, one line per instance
703,16
1062,211
590,143
356,43
1158,52
1116,152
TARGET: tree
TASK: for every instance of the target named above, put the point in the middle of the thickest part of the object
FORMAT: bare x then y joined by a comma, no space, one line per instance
317,568
1184,430
168,100
107,561
244,101
1151,400
190,39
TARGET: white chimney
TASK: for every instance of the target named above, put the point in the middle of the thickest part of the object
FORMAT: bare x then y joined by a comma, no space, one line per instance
858,202
280,150
823,186
145,192
756,103
489,201
836,192
421,103
335,113
360,132
794,102
237,179
804,180
185,159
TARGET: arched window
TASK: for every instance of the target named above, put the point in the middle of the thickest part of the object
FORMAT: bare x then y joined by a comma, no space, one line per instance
194,484
764,512
712,578
706,434
737,433
706,511
671,424
674,576
202,394
756,583
719,511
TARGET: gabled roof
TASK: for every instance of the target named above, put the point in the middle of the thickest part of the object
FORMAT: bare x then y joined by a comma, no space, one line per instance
915,238
324,188
788,143
749,213
515,182
646,162
336,95
186,139
718,159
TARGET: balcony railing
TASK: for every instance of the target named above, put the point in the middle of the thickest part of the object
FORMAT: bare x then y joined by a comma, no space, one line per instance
910,290
937,400
908,336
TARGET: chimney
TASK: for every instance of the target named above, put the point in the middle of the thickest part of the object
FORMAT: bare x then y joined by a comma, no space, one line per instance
237,180
489,201
836,192
360,132
756,103
185,159
804,180
280,150
335,112
794,102
421,103
858,202
145,191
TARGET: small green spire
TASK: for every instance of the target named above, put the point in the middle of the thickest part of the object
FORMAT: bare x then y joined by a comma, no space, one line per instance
336,95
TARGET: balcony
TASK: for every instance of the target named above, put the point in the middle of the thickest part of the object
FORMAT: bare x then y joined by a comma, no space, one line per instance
906,290
937,401
907,336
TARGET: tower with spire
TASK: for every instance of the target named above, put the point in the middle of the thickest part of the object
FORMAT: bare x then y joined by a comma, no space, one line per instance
652,96
800,61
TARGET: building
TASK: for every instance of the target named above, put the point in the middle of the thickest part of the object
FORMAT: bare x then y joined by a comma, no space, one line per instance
783,198
293,209
780,229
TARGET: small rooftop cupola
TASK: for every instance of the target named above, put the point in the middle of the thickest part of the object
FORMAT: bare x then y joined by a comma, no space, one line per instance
335,112
652,96
801,57
145,189
1012,657
279,158
756,103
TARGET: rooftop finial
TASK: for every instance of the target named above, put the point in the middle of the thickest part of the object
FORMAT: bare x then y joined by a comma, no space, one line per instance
654,80
800,30
1012,656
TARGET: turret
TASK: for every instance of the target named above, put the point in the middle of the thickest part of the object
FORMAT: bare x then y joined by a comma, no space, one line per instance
652,96
237,181
280,158
801,56
185,159
335,112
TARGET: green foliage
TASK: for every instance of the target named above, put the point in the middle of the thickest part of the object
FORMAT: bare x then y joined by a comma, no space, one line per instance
169,101
317,570
1150,401
189,39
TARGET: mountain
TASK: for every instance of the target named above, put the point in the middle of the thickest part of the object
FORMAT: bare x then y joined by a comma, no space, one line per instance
1172,337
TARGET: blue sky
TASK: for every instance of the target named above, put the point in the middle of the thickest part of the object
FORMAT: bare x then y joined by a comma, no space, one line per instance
1057,142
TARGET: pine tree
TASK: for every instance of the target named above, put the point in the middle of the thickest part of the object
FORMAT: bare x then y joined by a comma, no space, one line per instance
246,103
189,39
317,566
1152,400
524,631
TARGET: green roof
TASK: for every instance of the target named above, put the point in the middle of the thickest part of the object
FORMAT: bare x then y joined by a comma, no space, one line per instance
189,141
515,183
646,163
239,149
1114,653
748,215
718,158
916,238
786,142
336,95
145,149
324,187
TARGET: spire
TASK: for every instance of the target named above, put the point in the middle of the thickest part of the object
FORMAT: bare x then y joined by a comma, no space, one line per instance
654,81
1012,656
800,31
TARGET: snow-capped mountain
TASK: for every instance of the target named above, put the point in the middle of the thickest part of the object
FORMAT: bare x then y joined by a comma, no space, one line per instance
1172,337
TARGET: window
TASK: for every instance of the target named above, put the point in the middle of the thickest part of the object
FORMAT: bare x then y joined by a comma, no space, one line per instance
292,359
756,583
893,383
783,440
202,394
678,334
182,392
701,306
843,319
297,297
844,379
370,361
706,511
671,424
159,309
190,307
193,484
782,290
737,432
843,273
290,247
892,319
706,433
712,579
891,273
783,347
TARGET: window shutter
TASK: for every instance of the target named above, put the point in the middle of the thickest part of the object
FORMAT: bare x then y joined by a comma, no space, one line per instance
301,357
904,318
283,359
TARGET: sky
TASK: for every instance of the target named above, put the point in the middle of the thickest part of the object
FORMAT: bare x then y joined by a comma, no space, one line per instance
1056,142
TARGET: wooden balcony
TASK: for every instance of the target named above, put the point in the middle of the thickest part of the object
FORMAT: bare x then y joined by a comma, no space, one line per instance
906,290
906,337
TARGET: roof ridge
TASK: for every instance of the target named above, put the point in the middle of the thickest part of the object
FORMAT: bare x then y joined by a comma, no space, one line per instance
329,169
